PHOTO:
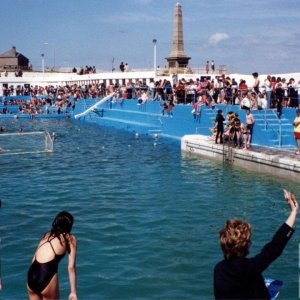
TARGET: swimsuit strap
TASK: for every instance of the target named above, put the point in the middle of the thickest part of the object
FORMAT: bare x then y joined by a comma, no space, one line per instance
52,247
49,241
42,245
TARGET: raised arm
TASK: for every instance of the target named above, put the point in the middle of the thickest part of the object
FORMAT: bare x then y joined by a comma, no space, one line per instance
72,268
291,199
273,249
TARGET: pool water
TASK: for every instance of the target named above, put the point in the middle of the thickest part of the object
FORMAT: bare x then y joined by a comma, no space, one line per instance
146,215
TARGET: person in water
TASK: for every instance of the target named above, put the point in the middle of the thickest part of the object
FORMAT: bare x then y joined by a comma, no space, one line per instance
42,277
239,277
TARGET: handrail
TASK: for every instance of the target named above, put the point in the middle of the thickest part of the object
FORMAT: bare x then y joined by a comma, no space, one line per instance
94,106
279,131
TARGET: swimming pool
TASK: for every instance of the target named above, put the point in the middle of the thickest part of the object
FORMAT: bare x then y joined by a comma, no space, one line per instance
146,215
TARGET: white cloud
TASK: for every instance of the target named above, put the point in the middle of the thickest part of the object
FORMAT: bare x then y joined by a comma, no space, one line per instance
218,37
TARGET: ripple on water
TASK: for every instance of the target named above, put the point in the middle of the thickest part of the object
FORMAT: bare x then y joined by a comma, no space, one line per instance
146,218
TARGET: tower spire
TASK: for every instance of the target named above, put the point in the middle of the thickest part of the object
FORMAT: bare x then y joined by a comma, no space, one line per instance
177,59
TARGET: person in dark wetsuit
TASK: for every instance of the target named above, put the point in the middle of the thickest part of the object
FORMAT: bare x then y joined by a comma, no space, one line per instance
219,121
235,131
42,277
279,99
239,277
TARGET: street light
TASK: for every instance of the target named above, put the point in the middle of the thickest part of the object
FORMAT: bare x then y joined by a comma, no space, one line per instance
43,62
154,59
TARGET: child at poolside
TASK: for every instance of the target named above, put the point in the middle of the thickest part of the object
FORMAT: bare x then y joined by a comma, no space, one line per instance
250,125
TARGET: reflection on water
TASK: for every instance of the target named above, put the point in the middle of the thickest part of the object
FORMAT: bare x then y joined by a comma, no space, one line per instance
146,216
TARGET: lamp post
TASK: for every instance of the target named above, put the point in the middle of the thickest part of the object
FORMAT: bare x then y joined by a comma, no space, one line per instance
43,62
154,58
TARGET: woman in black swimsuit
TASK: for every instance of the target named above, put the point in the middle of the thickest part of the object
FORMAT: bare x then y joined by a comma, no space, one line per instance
42,278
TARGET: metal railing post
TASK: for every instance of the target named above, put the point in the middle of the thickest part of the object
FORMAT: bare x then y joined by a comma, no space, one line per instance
265,119
280,134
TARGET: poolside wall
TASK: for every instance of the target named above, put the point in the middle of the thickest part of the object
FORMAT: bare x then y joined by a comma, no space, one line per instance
269,131
274,162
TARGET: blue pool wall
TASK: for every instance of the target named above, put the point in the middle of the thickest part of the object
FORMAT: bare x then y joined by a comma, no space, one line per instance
269,130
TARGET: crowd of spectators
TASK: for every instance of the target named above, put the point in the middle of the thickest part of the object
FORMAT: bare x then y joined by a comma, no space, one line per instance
232,130
271,93
86,70
41,100
36,105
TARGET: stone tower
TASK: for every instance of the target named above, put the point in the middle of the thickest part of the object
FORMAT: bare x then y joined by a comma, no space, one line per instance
177,60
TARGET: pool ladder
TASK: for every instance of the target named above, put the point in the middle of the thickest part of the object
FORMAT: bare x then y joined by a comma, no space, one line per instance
228,154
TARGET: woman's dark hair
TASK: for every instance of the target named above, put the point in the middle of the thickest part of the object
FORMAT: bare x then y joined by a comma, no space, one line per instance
61,226
62,223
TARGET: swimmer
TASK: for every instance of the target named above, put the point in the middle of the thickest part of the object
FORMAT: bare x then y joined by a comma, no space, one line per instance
1,150
42,277
54,136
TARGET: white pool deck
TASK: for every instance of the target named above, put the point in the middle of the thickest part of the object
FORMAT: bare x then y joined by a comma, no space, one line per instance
280,163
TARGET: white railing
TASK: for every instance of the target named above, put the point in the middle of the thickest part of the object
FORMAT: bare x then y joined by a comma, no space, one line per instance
95,106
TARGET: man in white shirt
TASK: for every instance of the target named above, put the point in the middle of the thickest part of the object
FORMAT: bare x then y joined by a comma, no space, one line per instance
245,103
268,87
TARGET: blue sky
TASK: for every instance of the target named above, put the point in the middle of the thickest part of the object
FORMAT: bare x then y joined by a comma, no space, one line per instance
244,35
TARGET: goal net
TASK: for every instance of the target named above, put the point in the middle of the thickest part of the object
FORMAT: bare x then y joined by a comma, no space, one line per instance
25,142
